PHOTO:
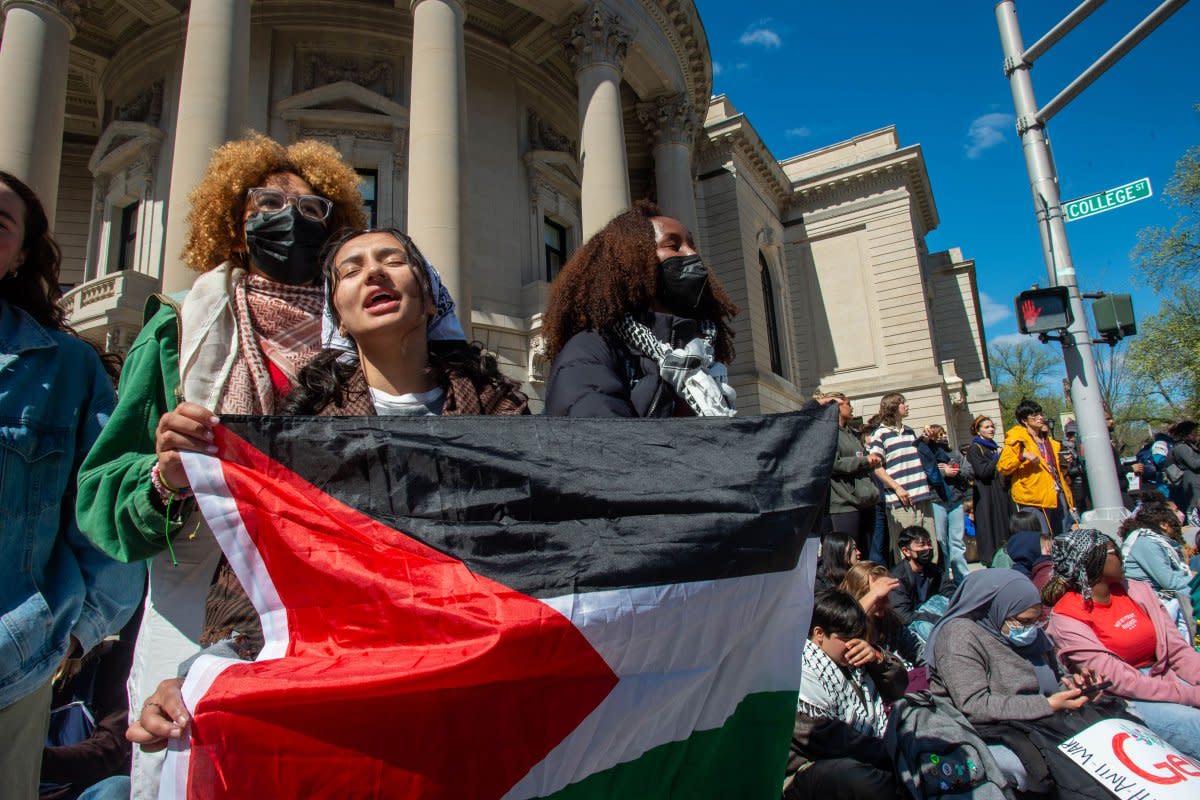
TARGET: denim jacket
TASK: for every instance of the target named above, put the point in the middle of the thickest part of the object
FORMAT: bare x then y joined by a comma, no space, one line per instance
54,398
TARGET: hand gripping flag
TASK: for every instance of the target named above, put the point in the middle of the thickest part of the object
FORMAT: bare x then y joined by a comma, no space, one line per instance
507,607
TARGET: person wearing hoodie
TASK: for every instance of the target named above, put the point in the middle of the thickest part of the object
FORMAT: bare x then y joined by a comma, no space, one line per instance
1035,472
1116,627
1153,458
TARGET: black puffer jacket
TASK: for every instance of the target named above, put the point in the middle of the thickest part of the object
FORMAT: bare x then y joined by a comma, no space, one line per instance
596,375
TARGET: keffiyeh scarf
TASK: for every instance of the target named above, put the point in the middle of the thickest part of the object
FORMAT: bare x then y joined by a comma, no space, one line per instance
827,691
276,323
691,370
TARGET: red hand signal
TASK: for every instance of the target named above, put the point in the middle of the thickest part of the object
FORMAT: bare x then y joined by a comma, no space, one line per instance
1030,311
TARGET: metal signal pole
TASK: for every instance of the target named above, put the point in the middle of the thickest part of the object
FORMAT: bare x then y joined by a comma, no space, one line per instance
1108,507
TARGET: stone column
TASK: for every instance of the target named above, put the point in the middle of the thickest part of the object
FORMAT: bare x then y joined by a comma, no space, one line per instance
671,123
212,110
33,100
596,46
437,145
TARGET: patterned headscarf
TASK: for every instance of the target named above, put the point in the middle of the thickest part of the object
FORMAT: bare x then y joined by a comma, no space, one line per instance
443,326
1079,558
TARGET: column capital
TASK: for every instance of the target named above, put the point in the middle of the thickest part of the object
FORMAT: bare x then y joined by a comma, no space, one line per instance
669,119
69,11
597,36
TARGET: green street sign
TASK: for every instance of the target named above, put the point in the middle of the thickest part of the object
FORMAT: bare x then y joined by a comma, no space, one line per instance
1106,201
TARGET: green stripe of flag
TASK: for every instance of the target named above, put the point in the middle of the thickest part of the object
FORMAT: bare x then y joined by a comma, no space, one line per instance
744,758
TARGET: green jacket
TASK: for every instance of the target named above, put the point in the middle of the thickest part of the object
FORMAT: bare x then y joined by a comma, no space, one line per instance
116,507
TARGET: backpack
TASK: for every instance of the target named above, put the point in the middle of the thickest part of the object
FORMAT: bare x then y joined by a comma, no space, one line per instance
938,754
1172,473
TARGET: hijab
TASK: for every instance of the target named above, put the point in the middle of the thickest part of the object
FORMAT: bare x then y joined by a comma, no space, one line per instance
988,597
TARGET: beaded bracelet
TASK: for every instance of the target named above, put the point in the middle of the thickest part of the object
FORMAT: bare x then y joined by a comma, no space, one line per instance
166,492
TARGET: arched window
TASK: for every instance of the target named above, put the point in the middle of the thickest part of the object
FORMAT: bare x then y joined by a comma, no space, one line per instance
772,319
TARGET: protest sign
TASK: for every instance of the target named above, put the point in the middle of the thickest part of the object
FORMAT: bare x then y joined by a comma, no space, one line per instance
1133,762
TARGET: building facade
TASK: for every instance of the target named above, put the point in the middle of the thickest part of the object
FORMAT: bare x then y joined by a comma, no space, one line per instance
500,134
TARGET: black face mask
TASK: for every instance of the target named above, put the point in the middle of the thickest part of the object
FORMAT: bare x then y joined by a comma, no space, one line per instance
925,557
682,284
286,246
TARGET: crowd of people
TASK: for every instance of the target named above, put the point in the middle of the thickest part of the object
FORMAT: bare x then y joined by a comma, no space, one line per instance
111,575
297,308
1057,626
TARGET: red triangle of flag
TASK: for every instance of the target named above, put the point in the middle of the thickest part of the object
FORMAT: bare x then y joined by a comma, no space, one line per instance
404,675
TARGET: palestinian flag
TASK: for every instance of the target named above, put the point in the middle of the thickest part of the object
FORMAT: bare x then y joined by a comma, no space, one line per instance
508,607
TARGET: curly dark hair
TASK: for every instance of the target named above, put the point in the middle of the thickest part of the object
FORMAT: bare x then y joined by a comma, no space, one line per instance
34,286
1154,515
1182,430
616,273
328,377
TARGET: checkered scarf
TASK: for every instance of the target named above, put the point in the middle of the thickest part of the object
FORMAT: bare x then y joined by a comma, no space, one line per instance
827,690
691,370
1078,555
275,322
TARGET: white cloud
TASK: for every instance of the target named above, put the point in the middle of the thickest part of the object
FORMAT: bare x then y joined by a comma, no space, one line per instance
758,33
1011,338
799,133
986,132
992,311
717,69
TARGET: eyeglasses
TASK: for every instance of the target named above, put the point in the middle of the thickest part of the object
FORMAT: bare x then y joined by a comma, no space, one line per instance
269,201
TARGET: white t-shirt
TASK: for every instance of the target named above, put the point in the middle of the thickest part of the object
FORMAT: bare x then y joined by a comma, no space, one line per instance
420,404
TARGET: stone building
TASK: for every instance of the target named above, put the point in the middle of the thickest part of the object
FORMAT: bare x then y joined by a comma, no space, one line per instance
500,134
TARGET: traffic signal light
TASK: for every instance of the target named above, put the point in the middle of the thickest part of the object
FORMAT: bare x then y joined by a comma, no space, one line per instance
1044,310
1114,316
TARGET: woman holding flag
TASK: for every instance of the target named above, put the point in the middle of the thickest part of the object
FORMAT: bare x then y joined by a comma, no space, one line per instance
233,345
394,347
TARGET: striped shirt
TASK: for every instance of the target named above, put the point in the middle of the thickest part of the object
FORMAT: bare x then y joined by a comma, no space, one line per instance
902,462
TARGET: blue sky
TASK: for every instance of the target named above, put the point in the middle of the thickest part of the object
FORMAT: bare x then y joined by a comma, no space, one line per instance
809,74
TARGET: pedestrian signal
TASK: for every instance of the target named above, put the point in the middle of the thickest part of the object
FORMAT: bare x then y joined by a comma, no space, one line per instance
1114,317
1044,310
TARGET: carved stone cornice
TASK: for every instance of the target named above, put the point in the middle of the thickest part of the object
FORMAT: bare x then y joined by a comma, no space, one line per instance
460,5
670,119
723,145
680,21
544,136
904,168
70,11
146,106
597,36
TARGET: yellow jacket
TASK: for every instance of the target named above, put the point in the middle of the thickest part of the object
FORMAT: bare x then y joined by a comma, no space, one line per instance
1030,483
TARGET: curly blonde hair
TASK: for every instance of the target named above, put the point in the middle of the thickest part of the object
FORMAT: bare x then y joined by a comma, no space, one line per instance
215,223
